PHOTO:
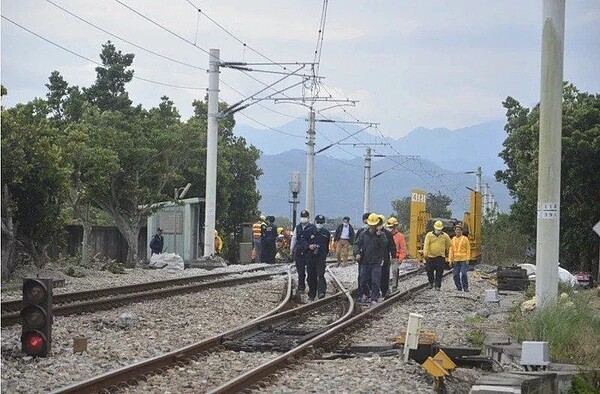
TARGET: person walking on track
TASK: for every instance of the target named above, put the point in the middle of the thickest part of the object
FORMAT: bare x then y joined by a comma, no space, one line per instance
319,247
389,254
369,250
435,248
400,242
460,254
300,250
343,238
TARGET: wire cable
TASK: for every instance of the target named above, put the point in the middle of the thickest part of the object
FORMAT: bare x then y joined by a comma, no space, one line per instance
123,39
93,61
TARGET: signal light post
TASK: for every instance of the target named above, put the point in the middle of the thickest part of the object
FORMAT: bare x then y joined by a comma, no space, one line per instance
36,317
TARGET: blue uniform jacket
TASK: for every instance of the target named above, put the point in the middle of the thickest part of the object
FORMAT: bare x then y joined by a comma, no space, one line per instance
320,238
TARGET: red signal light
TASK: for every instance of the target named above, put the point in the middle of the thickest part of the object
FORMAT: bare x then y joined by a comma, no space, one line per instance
34,343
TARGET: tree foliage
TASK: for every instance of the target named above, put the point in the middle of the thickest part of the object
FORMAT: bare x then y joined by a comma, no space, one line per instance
580,172
116,157
503,244
436,204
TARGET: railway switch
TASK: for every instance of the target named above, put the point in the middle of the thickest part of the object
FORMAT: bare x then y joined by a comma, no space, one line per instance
36,317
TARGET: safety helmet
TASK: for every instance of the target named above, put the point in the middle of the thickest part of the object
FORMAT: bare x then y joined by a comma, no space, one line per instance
263,218
216,233
438,225
373,219
279,230
320,219
392,222
304,214
458,225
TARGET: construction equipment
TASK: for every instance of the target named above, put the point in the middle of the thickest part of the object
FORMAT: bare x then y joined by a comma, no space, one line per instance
421,222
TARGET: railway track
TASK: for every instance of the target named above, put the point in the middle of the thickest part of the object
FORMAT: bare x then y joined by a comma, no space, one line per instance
279,337
112,297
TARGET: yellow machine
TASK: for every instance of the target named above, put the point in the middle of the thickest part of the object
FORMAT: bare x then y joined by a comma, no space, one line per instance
421,222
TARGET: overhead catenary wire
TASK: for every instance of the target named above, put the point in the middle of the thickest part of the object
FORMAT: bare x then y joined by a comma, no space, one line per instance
124,39
94,61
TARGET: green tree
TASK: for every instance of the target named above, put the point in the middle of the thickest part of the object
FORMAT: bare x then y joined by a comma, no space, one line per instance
108,92
34,181
438,205
503,244
580,169
401,209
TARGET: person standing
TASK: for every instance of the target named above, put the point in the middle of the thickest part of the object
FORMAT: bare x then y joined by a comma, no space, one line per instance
389,254
369,250
343,238
460,254
257,229
319,247
157,242
435,248
268,241
300,250
364,228
218,243
400,242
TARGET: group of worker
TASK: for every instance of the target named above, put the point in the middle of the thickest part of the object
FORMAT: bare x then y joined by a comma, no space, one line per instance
375,246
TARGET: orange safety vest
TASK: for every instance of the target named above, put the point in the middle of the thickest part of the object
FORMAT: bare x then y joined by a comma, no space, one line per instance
256,229
460,250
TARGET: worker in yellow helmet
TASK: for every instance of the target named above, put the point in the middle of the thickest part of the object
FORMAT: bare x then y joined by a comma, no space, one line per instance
218,243
460,254
436,246
257,229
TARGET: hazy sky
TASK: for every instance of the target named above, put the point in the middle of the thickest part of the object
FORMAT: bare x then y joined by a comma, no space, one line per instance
410,63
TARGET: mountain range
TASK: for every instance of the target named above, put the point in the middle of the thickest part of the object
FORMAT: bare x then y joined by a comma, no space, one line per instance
442,158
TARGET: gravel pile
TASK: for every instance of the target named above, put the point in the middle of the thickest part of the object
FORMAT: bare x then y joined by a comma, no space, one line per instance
131,333
95,279
448,313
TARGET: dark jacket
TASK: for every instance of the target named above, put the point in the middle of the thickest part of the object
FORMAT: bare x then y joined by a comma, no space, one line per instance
320,238
372,247
157,243
391,247
269,233
338,233
303,238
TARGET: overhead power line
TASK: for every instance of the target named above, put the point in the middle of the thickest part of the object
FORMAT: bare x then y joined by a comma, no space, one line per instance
123,39
94,61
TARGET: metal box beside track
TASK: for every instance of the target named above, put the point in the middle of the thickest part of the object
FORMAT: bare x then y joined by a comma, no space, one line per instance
513,278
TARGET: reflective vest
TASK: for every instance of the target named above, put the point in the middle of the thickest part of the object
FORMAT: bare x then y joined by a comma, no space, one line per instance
256,229
460,249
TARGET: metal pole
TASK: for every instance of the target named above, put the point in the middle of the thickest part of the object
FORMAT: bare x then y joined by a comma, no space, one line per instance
211,153
485,201
478,184
310,165
548,206
367,206
294,208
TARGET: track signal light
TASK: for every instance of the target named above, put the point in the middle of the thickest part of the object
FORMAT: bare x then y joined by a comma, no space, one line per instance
36,316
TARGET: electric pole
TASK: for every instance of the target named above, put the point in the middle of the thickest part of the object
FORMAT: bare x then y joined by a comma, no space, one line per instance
367,202
211,153
310,165
478,184
548,202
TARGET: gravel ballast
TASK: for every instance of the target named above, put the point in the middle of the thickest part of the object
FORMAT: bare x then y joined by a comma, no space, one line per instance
447,313
148,329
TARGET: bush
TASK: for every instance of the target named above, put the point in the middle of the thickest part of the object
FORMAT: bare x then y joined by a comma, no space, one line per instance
502,243
113,267
571,327
73,272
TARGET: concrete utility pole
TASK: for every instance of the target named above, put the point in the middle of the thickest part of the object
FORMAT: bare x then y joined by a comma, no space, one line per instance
548,206
478,184
486,201
211,153
367,205
310,165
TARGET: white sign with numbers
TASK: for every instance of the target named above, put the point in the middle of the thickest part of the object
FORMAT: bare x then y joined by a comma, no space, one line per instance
418,197
548,210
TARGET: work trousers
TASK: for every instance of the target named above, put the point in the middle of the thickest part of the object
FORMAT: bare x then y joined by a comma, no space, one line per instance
385,278
268,251
301,262
370,275
435,265
459,271
315,270
257,250
341,251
